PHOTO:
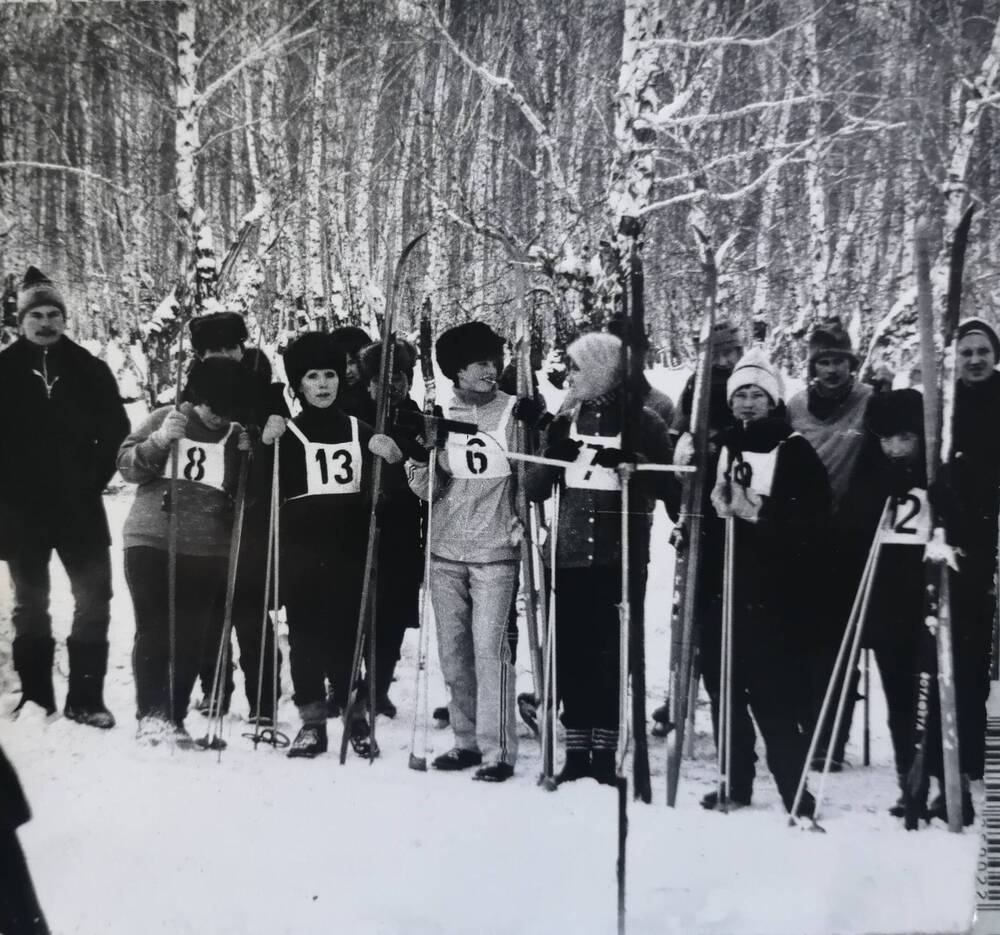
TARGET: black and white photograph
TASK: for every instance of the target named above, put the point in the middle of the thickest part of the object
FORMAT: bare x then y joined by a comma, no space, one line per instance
500,466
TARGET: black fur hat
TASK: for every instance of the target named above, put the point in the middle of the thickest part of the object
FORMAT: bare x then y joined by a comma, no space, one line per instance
223,384
896,412
404,359
351,338
464,344
216,331
314,350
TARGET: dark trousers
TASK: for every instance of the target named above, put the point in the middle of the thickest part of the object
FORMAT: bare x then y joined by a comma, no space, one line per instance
588,640
398,608
248,620
89,572
322,600
20,913
199,579
762,661
897,669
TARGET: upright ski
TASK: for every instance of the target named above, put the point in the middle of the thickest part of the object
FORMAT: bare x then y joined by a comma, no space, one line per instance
687,538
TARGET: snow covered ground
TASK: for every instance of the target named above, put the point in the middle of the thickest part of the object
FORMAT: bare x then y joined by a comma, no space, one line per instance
129,839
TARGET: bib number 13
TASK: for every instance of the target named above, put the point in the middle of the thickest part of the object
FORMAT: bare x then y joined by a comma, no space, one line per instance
338,468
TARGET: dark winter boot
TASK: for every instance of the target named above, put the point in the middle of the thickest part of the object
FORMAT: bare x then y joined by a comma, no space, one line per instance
710,801
577,765
939,807
33,662
604,743
88,664
309,742
662,725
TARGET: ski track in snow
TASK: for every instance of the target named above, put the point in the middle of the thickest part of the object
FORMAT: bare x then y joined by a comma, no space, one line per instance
130,839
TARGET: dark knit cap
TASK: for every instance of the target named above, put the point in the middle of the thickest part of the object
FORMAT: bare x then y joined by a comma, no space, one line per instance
36,290
896,412
217,331
314,350
978,326
404,359
351,338
221,383
726,336
464,344
829,338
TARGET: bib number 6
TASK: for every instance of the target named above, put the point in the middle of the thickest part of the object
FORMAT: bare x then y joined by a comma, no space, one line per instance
475,458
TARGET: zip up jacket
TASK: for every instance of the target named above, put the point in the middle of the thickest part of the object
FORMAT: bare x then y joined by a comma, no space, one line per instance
590,519
472,516
205,513
61,425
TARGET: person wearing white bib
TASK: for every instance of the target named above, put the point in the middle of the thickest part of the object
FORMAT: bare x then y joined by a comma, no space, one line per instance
209,443
771,482
324,476
474,555
587,434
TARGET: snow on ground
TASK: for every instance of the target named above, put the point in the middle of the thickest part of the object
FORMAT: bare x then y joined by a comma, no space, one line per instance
128,839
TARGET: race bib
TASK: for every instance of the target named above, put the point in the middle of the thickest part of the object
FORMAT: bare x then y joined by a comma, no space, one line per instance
754,471
482,456
581,473
201,462
332,468
909,519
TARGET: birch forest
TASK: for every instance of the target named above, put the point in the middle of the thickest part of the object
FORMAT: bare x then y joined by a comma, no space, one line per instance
141,141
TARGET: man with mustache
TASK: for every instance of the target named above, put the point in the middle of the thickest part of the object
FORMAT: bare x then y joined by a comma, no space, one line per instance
62,426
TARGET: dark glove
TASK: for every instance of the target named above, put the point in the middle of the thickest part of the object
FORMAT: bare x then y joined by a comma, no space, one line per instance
442,431
567,449
609,458
412,447
528,410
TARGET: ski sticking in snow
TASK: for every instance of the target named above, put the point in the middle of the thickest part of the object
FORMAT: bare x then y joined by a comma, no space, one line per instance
935,651
687,536
367,611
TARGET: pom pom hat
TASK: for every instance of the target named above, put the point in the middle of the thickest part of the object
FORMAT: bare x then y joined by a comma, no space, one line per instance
35,291
754,369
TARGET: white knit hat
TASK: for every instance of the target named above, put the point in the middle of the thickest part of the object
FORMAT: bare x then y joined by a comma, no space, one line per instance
754,369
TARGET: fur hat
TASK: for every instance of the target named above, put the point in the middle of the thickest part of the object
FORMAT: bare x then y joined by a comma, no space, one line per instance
599,357
829,339
726,336
221,383
404,359
462,345
978,326
754,369
216,331
896,412
35,290
314,350
351,339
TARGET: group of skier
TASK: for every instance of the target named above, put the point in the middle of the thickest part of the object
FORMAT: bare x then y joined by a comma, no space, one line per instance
798,487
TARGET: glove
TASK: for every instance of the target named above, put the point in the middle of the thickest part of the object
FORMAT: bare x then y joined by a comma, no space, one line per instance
568,449
609,458
527,410
737,501
382,446
515,530
172,428
274,428
414,449
684,450
442,432
244,442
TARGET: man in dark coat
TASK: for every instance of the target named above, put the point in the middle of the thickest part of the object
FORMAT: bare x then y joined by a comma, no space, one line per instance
62,423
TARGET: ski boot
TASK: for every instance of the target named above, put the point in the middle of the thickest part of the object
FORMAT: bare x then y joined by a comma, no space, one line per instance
309,742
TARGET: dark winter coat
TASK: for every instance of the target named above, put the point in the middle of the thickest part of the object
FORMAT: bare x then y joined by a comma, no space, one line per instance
590,520
59,445
332,525
779,564
14,810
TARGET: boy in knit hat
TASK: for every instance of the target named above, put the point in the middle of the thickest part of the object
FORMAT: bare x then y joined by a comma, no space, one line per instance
586,433
209,443
62,423
831,413
475,553
771,482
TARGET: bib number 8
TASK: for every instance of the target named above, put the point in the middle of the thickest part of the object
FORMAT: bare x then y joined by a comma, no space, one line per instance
475,460
195,468
346,466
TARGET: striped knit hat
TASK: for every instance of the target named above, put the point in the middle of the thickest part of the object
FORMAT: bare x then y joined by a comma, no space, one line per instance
36,290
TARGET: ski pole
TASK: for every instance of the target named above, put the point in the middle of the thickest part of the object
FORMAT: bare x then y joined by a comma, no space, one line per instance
839,662
213,737
643,468
420,762
692,702
866,747
550,699
726,672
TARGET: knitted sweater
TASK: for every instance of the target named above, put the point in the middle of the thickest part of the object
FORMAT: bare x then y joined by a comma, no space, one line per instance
205,512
